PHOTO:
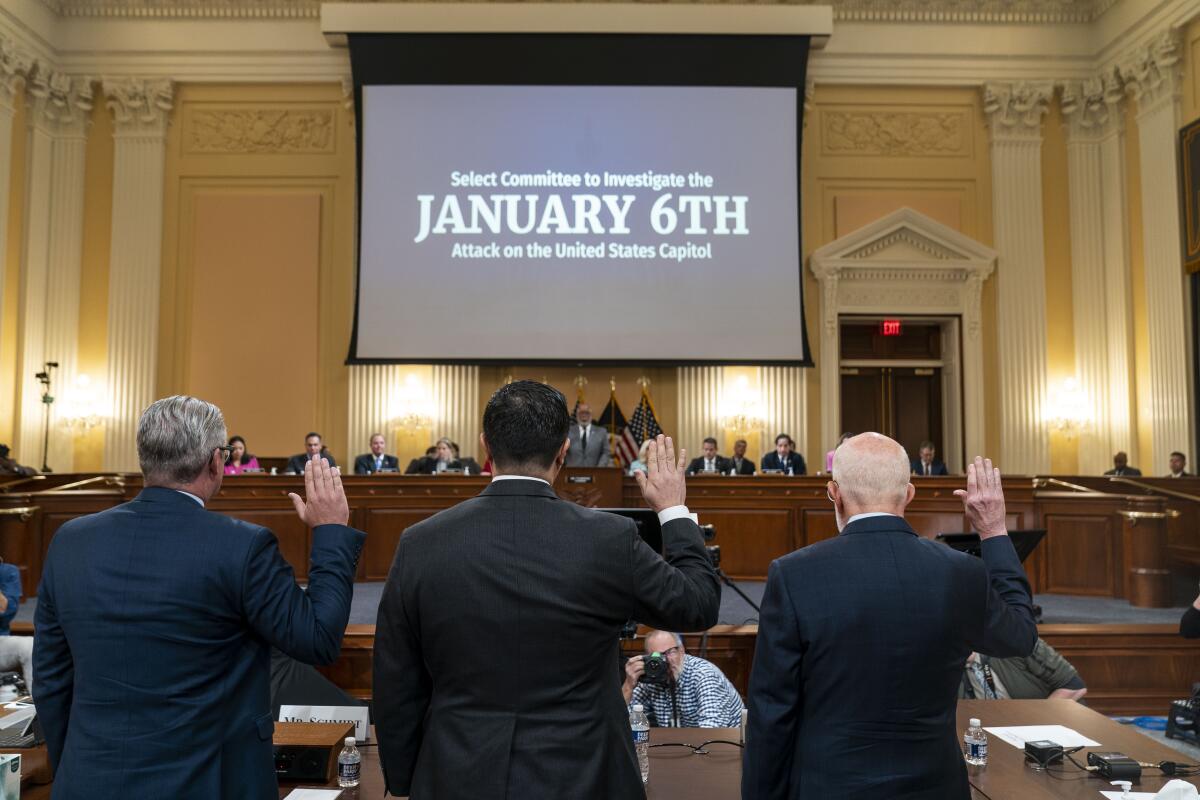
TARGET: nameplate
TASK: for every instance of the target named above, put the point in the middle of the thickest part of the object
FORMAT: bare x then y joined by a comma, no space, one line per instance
579,479
359,715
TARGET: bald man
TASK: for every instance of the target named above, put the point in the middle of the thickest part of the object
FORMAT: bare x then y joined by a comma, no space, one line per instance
862,639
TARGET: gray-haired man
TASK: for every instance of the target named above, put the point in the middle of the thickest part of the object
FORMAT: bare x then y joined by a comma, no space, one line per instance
698,695
155,620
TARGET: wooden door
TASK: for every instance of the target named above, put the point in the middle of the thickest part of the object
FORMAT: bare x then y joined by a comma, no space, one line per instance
902,402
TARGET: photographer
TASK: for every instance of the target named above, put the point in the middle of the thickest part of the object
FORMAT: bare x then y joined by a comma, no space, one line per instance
678,690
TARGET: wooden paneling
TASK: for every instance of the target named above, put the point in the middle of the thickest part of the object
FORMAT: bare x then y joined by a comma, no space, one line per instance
748,539
386,525
1080,555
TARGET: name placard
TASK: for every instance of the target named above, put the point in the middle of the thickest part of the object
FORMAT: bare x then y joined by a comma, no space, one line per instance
357,714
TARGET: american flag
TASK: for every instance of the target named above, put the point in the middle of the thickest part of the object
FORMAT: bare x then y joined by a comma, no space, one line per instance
624,447
644,425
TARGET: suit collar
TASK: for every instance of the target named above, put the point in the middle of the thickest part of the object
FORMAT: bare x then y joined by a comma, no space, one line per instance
885,524
161,494
519,488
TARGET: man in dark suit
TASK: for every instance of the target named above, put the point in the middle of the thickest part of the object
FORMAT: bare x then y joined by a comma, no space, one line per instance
782,458
589,443
1178,464
738,461
928,464
1121,467
709,462
314,447
863,637
497,668
155,622
376,460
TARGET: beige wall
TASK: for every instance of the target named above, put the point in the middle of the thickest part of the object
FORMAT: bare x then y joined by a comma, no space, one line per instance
10,331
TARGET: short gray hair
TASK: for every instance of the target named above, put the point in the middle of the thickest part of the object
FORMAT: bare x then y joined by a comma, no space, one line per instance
176,437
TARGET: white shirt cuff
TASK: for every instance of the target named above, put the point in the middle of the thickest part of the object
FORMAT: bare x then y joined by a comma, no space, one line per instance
673,513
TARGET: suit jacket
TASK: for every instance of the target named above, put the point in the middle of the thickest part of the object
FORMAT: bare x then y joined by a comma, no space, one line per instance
597,452
747,467
861,646
722,464
1132,472
772,461
935,468
497,669
365,464
296,463
152,652
427,465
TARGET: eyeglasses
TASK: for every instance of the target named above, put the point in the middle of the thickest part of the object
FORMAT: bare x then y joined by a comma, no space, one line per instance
829,491
670,651
228,451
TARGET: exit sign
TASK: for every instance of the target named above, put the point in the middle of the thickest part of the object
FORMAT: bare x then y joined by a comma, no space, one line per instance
890,327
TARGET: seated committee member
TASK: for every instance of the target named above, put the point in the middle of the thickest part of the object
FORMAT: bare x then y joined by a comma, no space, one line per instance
414,466
1040,675
782,459
639,464
443,459
9,466
1178,466
496,662
738,461
862,640
927,464
16,652
1121,466
698,696
589,443
314,447
155,621
709,461
469,465
239,460
376,460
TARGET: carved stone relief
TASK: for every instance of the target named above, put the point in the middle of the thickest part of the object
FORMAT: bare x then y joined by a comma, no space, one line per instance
894,133
280,130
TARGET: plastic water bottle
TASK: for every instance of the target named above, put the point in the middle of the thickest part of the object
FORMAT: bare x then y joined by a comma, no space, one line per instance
349,765
975,745
641,739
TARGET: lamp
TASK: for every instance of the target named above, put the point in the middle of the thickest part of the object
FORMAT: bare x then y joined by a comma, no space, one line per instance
741,408
81,407
412,408
1068,410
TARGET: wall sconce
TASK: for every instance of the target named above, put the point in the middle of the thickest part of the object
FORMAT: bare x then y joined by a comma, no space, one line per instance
412,407
81,408
1068,410
741,408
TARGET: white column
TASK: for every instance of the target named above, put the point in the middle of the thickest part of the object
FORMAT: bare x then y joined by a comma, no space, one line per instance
140,111
58,115
371,396
784,410
456,405
1153,77
1015,115
1099,265
14,67
699,393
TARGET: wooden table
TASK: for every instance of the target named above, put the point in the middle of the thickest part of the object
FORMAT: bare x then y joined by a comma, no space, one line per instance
1006,777
675,772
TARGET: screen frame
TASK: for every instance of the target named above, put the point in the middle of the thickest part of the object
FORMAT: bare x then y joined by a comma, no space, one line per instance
578,59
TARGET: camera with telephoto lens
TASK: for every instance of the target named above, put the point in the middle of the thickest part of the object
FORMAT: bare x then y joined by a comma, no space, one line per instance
657,670
714,554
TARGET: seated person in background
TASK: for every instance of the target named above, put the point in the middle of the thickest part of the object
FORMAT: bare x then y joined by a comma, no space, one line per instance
16,652
738,461
927,464
589,443
314,447
710,461
1178,466
1121,466
1189,623
829,455
639,464
413,467
9,466
469,465
1040,675
782,458
297,684
441,460
376,460
238,460
700,696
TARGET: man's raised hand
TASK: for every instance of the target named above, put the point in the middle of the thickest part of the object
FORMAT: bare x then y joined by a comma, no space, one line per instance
983,499
662,483
324,500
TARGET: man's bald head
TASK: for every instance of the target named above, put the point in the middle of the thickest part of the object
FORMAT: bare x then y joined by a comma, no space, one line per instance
870,474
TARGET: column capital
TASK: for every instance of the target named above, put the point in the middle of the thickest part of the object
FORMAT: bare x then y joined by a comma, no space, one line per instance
1015,109
15,66
140,106
1093,108
1153,74
59,103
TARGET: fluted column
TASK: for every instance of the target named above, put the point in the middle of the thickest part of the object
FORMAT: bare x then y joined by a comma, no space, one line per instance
14,68
456,404
1153,78
58,115
140,109
1015,116
784,409
699,396
371,399
1100,265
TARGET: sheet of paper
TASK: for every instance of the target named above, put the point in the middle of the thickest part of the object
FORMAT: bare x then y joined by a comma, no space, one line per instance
1018,735
313,794
17,717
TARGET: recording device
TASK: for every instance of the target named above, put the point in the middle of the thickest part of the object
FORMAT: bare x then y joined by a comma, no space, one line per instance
1115,766
308,751
1183,718
15,680
657,670
1043,752
709,532
714,554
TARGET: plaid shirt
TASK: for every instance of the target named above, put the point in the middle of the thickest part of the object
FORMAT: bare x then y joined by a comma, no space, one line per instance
705,696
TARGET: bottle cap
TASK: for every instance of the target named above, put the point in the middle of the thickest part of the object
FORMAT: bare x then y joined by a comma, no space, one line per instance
974,723
638,707
350,740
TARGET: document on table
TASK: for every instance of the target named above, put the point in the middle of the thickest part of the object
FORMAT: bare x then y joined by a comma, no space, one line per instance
313,794
1018,735
1131,796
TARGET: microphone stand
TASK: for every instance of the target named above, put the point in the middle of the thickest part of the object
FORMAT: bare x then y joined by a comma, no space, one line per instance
728,582
47,400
